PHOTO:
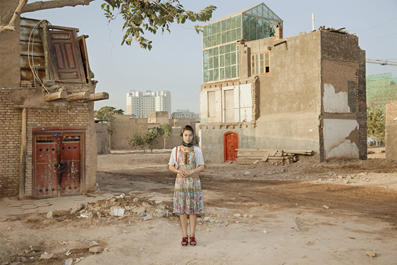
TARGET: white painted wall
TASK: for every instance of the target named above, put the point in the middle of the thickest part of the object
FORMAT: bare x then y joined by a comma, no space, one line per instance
335,102
246,102
335,143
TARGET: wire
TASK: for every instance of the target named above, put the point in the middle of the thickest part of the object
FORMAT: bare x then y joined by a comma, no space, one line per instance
380,36
375,26
31,57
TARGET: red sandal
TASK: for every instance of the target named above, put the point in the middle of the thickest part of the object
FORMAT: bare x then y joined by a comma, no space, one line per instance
193,241
184,241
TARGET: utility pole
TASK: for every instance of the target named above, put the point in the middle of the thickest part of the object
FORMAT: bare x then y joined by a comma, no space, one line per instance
312,21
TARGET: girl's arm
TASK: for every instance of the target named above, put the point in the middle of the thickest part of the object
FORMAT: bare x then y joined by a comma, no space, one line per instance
180,172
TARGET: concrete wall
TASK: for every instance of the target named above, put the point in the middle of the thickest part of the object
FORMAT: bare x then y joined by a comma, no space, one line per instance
289,96
102,133
9,49
391,130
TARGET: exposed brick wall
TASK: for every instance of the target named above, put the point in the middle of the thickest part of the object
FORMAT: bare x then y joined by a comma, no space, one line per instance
10,145
76,115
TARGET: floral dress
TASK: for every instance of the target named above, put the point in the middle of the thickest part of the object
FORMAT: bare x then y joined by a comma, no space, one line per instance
188,197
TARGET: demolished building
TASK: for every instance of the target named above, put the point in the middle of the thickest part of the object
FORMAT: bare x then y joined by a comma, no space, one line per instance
260,90
48,143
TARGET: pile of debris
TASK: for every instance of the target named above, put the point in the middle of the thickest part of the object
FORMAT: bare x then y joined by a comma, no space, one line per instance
254,156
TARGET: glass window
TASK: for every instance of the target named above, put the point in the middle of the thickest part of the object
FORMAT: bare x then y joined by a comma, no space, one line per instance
216,74
255,11
205,53
227,72
238,34
213,43
229,36
265,12
216,62
205,75
224,26
211,63
227,59
214,29
222,73
234,37
233,25
234,73
252,28
259,27
233,58
228,24
238,21
218,39
227,48
218,27
209,30
222,60
215,51
205,31
224,37
211,75
238,56
209,52
205,63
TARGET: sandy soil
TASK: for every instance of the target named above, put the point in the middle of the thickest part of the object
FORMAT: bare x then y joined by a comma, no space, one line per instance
340,212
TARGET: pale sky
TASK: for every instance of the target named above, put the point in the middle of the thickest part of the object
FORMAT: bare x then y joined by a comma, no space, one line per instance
175,62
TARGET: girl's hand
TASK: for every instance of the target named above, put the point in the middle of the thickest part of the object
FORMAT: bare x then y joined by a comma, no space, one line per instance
183,173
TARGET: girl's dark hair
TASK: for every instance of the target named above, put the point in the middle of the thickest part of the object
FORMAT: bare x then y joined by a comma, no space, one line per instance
188,128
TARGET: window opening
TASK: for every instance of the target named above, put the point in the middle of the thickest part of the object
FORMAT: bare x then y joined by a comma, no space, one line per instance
260,63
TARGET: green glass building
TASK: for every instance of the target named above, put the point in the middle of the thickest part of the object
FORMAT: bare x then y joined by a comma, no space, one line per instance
220,53
381,88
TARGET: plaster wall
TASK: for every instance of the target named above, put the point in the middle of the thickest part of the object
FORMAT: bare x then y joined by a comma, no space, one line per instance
9,49
341,138
212,143
102,138
391,130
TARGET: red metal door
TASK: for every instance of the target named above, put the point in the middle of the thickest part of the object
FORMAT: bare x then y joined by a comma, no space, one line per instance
231,144
46,172
70,161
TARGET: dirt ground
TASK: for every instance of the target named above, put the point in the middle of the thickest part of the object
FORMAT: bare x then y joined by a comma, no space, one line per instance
340,212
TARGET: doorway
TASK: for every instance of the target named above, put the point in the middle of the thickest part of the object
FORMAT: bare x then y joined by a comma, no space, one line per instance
230,141
57,164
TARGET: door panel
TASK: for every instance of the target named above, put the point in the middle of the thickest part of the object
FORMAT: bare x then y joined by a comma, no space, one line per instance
46,150
231,144
57,161
70,160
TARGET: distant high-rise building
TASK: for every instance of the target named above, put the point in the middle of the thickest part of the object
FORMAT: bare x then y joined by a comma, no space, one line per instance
185,114
141,105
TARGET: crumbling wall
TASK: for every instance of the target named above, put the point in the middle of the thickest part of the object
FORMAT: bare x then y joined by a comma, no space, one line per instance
9,50
343,123
102,133
391,130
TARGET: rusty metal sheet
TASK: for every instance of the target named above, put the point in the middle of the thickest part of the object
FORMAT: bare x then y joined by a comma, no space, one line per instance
37,61
24,34
34,49
28,75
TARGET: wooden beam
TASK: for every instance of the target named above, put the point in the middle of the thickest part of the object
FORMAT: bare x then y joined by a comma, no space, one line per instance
99,96
56,96
22,170
78,96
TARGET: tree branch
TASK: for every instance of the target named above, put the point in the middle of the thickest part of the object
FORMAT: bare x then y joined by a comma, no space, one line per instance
17,12
40,5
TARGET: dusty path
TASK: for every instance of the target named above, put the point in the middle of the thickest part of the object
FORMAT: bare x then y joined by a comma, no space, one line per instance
304,213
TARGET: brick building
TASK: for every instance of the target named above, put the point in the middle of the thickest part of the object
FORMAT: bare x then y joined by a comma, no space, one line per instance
261,90
48,139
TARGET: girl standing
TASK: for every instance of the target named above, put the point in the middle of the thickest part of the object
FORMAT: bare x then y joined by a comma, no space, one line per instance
187,161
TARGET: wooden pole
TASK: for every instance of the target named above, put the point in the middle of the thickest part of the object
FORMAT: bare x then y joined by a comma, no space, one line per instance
99,96
22,171
78,96
56,96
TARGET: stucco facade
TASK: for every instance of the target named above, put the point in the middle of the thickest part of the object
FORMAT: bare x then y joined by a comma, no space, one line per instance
311,97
